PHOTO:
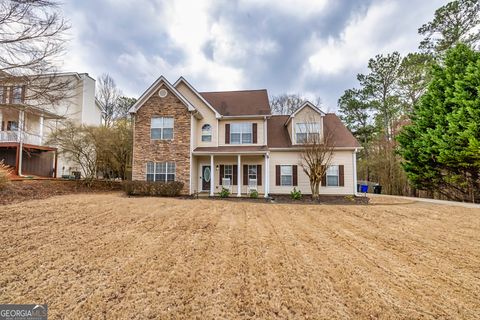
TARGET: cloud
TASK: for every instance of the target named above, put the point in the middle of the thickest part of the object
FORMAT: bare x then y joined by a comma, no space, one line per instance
310,47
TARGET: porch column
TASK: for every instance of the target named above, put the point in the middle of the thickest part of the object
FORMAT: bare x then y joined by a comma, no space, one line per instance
41,129
212,176
267,175
1,119
21,118
239,177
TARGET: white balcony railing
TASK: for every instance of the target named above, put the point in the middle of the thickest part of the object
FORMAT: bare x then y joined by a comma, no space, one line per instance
13,136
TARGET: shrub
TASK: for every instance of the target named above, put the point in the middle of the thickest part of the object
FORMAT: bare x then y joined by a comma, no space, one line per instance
296,194
253,194
224,193
158,189
5,175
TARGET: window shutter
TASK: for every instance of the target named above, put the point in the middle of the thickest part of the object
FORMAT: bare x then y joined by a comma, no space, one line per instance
341,176
295,176
245,175
227,133
235,174
259,174
222,170
254,132
10,98
23,93
324,177
277,175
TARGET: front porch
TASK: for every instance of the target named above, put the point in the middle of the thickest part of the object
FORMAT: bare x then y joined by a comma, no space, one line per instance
240,173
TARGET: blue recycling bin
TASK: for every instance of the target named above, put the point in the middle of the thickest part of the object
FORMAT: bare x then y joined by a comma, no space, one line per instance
364,188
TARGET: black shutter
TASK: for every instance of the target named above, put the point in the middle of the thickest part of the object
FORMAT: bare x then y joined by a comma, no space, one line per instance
222,169
235,174
254,132
245,175
341,176
227,133
295,176
324,177
277,175
259,174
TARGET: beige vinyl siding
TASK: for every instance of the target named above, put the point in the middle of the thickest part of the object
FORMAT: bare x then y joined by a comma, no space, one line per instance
227,160
344,158
208,117
260,132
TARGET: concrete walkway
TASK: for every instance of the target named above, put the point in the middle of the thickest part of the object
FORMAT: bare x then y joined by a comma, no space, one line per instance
442,202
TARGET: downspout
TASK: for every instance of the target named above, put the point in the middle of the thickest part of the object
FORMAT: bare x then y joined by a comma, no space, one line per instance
354,164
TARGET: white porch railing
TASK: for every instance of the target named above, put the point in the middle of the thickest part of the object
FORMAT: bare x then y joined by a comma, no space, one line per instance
13,136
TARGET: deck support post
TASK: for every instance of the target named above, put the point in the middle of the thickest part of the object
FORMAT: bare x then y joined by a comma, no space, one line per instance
267,175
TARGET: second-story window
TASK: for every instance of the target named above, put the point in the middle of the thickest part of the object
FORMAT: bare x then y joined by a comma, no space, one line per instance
206,133
241,133
307,132
161,128
17,94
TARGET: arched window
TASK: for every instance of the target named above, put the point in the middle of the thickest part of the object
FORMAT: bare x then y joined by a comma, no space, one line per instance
206,133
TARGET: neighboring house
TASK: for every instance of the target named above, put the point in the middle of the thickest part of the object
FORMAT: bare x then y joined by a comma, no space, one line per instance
210,140
23,122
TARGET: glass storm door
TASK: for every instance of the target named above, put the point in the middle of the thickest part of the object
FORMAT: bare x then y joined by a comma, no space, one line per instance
206,176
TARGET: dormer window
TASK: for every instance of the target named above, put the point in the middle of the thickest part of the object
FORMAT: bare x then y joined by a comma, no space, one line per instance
206,133
307,132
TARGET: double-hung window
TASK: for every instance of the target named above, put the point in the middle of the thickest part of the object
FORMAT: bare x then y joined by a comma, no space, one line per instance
161,171
307,132
252,172
286,175
241,133
206,133
332,176
228,172
161,128
17,94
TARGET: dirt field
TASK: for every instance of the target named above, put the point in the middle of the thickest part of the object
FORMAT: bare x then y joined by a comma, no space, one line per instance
111,257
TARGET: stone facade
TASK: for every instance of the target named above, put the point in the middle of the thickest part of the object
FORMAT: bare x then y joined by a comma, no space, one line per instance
176,150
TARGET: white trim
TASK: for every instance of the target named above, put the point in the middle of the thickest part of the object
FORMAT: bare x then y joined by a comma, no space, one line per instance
162,128
201,165
212,175
299,148
305,104
191,155
153,88
354,159
266,175
265,136
252,116
182,79
239,176
207,153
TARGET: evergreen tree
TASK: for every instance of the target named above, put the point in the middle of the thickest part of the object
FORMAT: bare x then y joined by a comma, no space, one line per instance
441,146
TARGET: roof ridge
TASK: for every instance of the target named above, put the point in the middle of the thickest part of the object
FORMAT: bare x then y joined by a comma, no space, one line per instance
233,91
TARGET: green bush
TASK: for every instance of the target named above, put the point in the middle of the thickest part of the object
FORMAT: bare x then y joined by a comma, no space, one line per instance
5,175
253,194
224,193
156,189
296,194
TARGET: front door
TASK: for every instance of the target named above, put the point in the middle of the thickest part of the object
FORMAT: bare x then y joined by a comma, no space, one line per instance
206,176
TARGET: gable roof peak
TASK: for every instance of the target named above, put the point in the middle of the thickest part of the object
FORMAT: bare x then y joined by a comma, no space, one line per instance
153,88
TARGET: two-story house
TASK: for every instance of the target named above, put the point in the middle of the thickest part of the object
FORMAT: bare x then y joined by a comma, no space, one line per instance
212,140
25,125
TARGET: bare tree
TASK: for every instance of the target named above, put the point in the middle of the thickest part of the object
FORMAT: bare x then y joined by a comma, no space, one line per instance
316,153
32,39
287,104
78,144
108,95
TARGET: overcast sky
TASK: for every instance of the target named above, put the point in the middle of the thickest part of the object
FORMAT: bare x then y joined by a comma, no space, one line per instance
310,47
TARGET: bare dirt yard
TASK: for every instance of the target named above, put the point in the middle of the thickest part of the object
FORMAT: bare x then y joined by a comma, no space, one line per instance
107,256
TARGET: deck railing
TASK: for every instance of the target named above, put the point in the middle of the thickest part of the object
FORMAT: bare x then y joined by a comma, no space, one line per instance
13,136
